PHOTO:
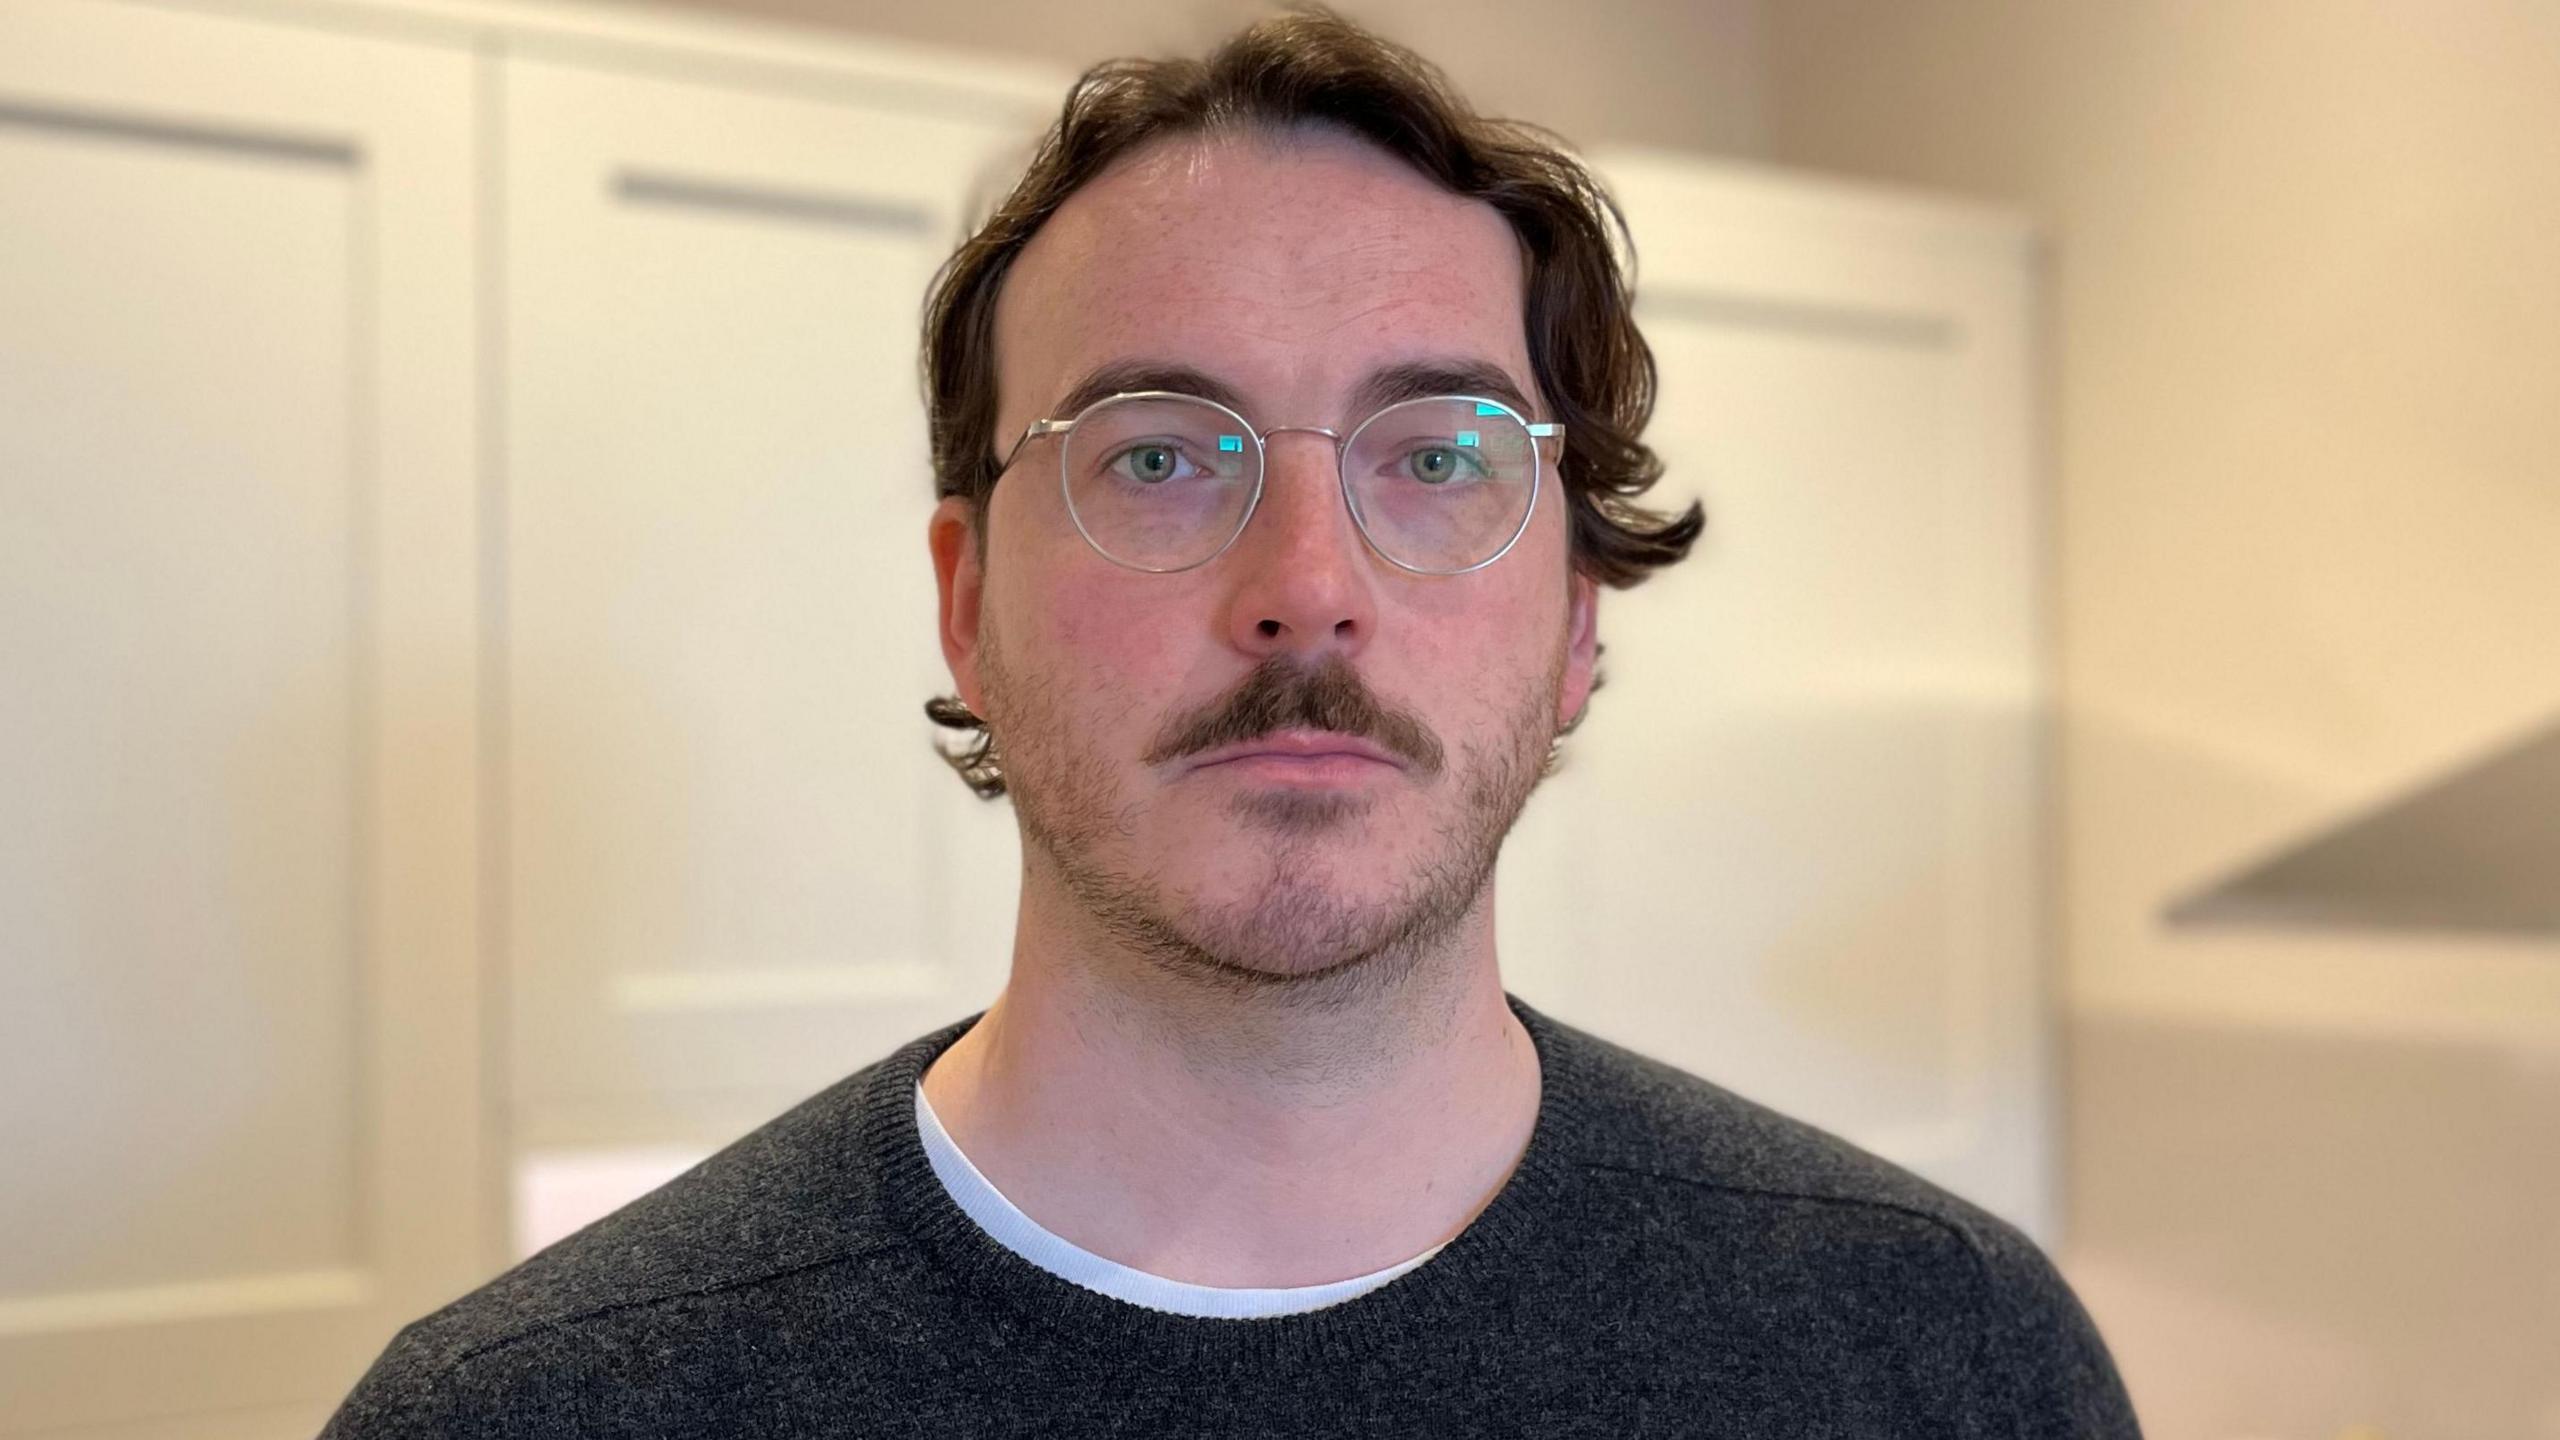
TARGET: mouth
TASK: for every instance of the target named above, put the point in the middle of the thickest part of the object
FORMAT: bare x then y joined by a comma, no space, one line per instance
1301,754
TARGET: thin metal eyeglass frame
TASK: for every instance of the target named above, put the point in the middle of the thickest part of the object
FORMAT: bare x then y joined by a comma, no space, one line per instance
1538,430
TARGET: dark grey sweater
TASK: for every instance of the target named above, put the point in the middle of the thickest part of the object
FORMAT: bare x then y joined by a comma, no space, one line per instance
1668,1259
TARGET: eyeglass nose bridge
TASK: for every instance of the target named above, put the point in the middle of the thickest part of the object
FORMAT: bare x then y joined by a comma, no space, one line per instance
1261,439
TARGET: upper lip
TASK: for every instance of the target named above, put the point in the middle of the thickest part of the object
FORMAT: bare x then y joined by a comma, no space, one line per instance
1299,742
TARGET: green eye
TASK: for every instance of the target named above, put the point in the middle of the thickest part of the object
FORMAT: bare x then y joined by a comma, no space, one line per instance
1435,464
1151,464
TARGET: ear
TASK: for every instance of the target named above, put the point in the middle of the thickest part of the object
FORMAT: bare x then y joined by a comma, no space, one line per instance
1582,646
957,575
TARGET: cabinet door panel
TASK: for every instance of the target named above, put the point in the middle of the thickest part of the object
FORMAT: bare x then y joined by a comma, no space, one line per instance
239,1004
737,870
1795,849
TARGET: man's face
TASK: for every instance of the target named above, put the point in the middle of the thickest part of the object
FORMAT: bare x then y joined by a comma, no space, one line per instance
1289,269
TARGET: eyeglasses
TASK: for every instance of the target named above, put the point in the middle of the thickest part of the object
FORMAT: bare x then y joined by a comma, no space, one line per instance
1162,482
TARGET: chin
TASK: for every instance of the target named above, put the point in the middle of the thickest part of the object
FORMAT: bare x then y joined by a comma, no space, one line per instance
1304,814
1302,915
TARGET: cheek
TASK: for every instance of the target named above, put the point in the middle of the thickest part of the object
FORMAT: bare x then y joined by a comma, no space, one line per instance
1472,669
1512,623
1110,653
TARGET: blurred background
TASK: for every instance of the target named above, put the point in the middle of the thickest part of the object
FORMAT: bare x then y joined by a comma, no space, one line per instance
464,621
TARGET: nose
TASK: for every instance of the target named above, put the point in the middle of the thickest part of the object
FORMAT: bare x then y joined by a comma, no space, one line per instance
1302,579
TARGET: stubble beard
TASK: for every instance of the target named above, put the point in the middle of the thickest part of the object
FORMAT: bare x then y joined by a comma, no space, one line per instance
1292,942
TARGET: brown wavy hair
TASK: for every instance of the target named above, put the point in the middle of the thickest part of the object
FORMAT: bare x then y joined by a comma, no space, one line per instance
1310,66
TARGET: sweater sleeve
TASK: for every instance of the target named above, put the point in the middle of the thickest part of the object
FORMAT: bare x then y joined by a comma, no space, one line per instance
2042,1371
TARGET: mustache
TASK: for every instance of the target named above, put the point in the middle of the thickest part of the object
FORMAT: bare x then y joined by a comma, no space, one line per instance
1281,694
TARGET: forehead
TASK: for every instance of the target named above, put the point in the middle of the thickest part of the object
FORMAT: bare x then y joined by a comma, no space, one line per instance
1290,267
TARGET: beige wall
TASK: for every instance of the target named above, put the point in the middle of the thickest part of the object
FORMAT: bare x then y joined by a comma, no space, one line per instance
1681,73
2306,398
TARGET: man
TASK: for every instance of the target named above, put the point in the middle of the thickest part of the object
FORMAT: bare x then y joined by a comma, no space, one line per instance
1285,418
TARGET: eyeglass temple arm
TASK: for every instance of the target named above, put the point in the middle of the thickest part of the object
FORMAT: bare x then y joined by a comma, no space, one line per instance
1035,430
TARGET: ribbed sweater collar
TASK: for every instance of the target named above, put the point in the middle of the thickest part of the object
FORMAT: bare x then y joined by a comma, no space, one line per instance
1454,1292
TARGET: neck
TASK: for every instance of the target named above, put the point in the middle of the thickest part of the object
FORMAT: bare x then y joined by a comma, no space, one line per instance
1238,1135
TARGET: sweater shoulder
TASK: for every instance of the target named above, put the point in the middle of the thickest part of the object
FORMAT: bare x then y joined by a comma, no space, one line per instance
791,1195
1809,1197
778,1207
1646,1117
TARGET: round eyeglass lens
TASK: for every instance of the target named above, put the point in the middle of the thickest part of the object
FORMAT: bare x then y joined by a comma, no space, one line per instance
1443,484
1159,483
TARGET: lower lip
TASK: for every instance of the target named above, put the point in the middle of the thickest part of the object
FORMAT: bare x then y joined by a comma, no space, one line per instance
1301,769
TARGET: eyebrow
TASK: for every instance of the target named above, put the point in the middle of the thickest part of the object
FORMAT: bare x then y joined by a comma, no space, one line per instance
1380,388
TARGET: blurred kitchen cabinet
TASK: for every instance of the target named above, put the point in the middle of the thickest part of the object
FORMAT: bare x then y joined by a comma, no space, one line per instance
465,613
1799,846
735,868
240,1004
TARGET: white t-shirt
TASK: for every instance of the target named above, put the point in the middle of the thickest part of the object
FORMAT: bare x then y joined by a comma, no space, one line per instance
1025,1237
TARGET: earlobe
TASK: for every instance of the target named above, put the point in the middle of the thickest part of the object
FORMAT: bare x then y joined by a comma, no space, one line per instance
951,536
